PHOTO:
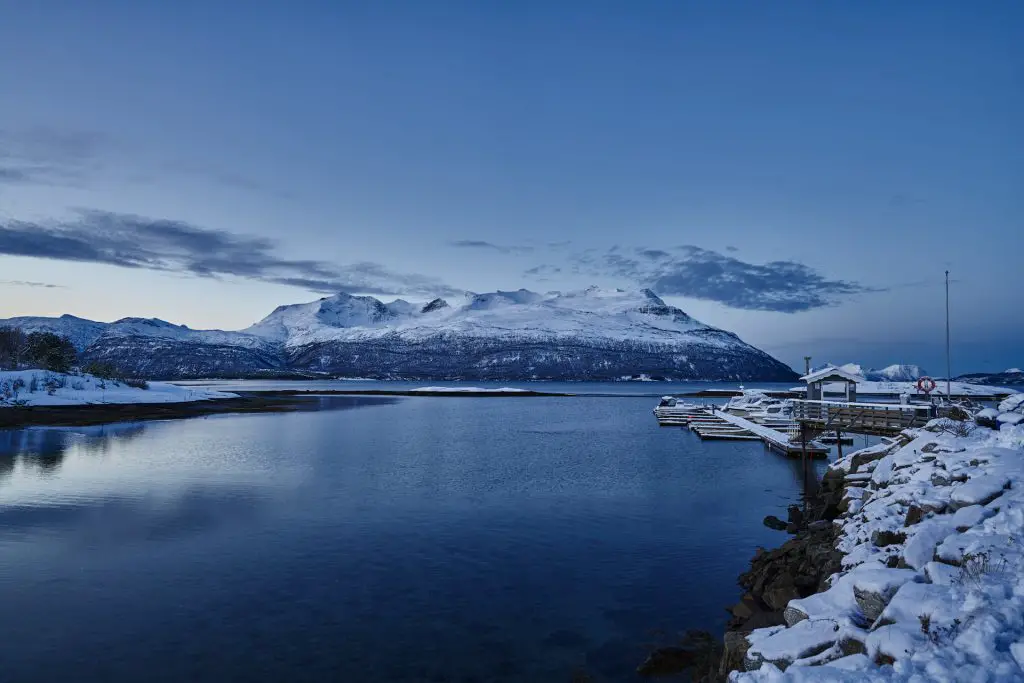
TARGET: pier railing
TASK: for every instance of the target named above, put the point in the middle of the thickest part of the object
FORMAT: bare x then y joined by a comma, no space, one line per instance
862,418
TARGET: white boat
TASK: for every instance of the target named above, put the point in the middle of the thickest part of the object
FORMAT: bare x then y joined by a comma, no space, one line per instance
672,409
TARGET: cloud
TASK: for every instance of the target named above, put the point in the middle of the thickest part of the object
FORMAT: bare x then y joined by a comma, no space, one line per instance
130,241
480,244
542,270
44,156
732,248
782,286
29,283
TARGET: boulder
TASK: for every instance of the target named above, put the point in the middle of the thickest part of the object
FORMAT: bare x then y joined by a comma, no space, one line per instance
914,515
736,646
773,522
884,537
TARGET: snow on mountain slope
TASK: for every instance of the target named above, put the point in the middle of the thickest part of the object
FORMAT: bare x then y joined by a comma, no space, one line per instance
891,373
897,373
83,333
591,313
80,331
590,334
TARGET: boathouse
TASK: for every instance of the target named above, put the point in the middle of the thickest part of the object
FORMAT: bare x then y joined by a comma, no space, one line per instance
817,380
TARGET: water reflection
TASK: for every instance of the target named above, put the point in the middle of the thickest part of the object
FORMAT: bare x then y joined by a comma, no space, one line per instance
42,450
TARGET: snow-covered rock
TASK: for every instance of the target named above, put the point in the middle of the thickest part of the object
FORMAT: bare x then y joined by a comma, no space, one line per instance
590,334
44,388
954,609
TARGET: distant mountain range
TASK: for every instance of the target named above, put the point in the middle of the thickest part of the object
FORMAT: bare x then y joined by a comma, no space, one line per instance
910,373
594,334
1007,378
891,373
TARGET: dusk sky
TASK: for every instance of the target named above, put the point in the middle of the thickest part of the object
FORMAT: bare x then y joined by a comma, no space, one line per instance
800,173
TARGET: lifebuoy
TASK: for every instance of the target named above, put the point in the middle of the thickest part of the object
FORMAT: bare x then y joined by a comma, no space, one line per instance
926,384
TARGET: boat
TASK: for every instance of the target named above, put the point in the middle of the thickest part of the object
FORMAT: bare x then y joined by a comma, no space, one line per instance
671,410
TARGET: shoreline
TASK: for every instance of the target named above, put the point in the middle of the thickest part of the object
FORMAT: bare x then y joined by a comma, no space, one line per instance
107,413
906,568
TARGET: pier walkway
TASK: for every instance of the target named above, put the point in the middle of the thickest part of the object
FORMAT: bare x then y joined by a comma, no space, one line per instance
777,441
881,419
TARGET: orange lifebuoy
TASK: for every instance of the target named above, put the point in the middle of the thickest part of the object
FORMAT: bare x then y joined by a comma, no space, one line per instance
926,384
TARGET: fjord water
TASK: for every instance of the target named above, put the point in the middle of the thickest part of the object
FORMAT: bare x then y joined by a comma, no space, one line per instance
380,539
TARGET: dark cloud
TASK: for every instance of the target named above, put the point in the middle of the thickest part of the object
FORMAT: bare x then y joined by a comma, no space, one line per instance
783,286
501,248
131,241
732,248
29,283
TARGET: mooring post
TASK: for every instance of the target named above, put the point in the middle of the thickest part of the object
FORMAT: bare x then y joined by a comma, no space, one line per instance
803,460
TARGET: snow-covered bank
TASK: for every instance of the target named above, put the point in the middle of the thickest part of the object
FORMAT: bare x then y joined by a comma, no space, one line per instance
44,388
468,390
931,588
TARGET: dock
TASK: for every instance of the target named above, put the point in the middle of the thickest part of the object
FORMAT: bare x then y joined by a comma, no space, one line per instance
722,426
777,441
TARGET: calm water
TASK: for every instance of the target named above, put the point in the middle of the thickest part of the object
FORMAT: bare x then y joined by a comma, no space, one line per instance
408,539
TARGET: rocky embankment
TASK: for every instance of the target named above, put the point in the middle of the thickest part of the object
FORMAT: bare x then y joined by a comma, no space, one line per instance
909,567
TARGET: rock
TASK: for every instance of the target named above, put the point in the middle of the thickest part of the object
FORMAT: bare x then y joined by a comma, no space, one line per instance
940,479
666,661
819,525
851,646
914,515
796,515
763,619
746,607
778,595
736,646
863,458
773,522
792,615
980,490
885,537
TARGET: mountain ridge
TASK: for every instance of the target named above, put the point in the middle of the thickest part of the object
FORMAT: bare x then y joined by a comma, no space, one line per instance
589,334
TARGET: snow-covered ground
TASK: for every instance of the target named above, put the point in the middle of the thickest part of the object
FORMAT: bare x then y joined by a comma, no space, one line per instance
43,388
932,587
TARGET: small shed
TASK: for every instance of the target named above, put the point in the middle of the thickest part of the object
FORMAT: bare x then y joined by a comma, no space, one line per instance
817,380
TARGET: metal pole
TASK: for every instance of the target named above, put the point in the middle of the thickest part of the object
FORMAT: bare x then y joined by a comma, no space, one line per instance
949,396
807,365
803,461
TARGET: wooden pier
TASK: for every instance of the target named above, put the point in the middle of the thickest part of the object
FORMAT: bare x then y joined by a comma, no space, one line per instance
722,426
882,419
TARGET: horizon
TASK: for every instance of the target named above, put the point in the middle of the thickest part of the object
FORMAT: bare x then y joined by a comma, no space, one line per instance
800,175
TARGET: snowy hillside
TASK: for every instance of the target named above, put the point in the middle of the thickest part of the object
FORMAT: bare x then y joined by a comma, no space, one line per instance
589,334
43,388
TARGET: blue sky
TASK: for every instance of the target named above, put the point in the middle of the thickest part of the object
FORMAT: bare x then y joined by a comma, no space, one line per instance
800,172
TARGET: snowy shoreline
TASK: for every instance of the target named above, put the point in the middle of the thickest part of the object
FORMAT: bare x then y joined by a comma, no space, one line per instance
30,388
930,588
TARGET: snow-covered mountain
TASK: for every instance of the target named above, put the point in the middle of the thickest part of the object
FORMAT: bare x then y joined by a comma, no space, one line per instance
891,373
590,334
897,373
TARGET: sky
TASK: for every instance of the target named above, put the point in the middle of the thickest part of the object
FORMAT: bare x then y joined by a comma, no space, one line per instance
801,173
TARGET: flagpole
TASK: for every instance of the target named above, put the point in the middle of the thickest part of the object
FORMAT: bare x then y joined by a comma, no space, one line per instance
948,373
